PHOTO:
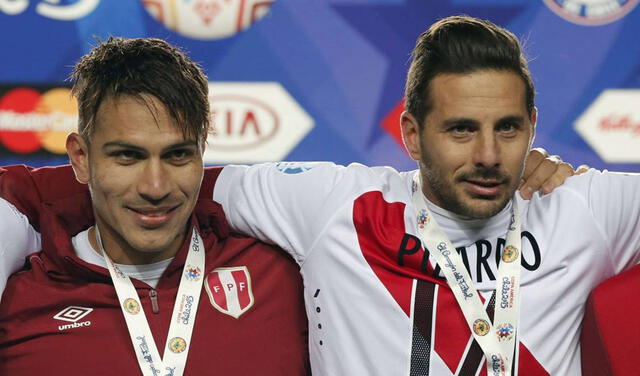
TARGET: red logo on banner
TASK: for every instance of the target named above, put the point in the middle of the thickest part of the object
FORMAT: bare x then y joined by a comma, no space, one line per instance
619,123
31,119
229,290
391,123
241,122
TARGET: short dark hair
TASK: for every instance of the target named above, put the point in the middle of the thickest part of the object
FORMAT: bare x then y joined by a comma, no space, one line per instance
121,67
462,44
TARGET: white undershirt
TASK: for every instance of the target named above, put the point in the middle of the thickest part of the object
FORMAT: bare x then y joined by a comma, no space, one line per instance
147,273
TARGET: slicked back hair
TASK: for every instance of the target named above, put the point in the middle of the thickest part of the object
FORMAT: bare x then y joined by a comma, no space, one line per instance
462,44
137,67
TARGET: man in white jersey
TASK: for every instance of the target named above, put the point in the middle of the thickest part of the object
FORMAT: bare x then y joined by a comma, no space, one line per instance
392,260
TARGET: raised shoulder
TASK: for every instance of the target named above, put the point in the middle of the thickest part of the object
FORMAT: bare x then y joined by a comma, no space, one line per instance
28,188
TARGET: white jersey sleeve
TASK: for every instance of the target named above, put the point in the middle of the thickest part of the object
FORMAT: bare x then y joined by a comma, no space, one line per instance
17,239
614,201
287,204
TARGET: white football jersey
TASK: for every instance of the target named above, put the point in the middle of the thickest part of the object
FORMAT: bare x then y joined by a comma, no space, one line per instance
17,239
376,301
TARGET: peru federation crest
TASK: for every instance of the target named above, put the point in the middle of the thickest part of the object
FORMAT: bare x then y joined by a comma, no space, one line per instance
229,290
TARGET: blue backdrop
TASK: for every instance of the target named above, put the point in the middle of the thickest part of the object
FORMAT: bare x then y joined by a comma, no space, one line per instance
340,62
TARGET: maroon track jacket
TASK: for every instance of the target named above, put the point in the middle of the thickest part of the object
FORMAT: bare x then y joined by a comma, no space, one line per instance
61,316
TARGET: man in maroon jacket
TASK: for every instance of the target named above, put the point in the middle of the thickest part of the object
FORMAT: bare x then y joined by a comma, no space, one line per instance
142,271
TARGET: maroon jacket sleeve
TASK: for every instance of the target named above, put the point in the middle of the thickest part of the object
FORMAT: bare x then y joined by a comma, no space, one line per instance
28,188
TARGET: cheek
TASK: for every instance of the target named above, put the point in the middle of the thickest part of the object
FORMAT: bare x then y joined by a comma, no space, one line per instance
516,157
190,180
108,184
448,157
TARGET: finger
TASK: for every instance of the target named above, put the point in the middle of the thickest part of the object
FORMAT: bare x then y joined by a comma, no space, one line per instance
561,174
535,157
538,177
581,169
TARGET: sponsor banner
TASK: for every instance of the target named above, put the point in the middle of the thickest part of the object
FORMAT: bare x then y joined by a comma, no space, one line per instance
254,122
611,125
207,19
36,118
53,9
591,12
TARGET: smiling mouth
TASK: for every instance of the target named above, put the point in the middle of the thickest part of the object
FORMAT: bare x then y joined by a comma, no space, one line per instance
483,188
153,217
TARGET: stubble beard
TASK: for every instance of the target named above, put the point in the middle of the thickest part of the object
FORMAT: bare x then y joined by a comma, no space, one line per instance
450,198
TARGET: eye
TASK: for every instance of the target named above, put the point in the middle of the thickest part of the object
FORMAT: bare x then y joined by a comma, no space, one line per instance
461,130
508,128
126,157
179,156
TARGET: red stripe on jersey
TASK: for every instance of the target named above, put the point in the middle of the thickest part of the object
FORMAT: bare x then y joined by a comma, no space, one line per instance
242,286
452,332
528,364
380,228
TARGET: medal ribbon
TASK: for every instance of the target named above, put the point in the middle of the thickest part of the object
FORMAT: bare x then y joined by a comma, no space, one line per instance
497,339
182,320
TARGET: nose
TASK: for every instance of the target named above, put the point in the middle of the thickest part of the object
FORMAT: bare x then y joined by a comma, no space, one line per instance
154,184
486,151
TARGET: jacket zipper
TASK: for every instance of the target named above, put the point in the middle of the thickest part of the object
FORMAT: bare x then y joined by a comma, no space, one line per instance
153,295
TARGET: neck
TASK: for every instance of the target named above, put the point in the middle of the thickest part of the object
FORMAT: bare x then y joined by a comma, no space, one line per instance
437,207
127,255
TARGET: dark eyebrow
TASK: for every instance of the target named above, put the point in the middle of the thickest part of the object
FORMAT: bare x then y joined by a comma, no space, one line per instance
457,122
120,144
125,145
511,119
182,145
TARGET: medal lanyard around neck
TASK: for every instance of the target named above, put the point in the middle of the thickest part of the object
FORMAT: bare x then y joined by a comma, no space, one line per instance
179,337
498,339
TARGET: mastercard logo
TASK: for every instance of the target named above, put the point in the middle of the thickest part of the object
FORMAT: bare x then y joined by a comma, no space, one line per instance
33,119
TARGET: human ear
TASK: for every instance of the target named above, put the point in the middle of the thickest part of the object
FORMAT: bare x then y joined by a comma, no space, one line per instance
78,152
534,121
410,135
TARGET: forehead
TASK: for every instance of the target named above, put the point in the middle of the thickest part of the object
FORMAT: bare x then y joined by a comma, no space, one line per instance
479,95
139,120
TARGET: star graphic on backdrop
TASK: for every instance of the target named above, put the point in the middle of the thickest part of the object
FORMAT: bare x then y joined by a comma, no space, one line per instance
393,29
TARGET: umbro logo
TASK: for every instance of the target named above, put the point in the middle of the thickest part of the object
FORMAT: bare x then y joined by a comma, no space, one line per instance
73,314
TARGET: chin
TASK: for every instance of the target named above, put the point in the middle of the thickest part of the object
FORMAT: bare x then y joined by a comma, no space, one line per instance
484,208
152,243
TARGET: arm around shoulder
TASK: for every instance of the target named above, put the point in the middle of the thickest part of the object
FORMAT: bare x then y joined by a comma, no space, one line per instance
17,239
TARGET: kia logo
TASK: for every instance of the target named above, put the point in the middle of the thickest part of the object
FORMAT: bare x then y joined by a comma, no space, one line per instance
241,122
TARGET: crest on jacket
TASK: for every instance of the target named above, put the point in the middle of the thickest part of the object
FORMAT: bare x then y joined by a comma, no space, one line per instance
229,290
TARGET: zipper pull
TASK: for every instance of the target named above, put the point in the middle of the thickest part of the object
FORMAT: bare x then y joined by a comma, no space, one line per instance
153,295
